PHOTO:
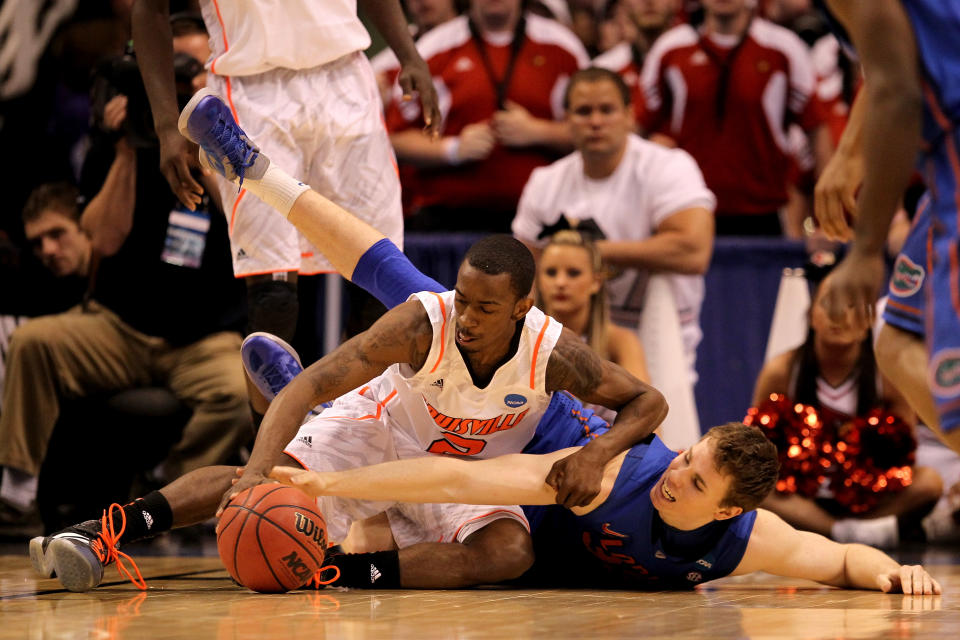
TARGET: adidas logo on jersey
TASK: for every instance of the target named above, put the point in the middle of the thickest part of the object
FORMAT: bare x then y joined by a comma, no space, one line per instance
307,440
437,383
374,574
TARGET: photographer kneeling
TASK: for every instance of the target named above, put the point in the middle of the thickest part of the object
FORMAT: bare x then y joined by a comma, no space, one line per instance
162,307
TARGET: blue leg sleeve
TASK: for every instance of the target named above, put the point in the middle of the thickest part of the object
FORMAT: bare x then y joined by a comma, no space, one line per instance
389,275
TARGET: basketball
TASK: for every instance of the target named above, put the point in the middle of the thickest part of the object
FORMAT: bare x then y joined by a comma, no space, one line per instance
272,538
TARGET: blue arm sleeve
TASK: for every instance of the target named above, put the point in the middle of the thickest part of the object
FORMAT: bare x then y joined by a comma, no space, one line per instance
389,275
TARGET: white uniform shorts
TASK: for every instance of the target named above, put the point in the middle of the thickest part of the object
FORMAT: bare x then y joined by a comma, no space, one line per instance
323,126
357,431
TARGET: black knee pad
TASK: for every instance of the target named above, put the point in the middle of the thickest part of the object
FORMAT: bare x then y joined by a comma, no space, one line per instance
273,307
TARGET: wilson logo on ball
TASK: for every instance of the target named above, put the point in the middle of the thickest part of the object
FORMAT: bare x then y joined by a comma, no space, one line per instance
296,565
312,530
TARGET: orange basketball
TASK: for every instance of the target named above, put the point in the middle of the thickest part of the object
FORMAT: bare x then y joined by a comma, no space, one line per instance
272,538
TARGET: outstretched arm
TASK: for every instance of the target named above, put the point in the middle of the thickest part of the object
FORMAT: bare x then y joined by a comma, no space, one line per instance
778,548
576,368
509,479
402,335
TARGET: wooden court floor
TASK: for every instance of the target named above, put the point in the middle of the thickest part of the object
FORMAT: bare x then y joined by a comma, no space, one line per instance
194,598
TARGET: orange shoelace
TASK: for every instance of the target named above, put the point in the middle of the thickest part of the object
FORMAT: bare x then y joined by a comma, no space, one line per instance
316,581
106,546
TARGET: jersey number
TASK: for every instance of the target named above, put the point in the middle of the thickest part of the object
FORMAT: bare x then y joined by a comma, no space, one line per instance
456,445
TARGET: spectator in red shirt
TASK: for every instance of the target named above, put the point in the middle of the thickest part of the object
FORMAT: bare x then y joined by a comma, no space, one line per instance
727,93
500,74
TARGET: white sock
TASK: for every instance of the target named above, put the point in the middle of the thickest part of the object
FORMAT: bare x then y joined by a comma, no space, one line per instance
18,488
876,532
277,188
939,525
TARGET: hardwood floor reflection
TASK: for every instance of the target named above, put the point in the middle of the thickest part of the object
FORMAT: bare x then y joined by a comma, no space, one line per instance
194,598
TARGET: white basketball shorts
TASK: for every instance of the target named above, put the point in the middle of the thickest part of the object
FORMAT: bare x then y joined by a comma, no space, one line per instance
357,431
323,126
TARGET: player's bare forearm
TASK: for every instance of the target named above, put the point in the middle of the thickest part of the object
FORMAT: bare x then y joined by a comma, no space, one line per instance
891,127
576,368
403,334
510,479
150,21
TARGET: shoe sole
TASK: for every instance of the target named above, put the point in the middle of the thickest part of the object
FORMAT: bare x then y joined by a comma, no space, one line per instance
189,109
74,567
41,560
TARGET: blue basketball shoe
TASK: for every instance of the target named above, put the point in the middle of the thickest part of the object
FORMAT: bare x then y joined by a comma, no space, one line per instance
224,147
270,362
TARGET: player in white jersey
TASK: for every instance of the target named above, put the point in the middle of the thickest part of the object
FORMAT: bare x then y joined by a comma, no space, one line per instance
484,337
648,205
294,74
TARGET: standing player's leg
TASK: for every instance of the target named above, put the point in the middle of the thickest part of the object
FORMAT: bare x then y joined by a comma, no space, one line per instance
943,324
900,349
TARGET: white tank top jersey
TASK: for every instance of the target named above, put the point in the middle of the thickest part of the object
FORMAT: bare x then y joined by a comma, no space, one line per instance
253,36
439,406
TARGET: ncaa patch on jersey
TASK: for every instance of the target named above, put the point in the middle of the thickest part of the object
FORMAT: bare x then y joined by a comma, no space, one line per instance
514,400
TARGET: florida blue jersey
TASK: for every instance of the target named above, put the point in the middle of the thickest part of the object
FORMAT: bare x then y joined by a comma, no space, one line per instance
623,543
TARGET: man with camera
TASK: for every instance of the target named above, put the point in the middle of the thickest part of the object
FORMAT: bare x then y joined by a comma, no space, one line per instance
162,307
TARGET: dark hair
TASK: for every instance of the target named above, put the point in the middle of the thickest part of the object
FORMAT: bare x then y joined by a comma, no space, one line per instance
596,74
749,459
808,369
503,253
62,197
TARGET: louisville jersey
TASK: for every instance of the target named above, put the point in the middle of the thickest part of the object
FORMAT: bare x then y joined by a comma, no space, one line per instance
729,103
546,58
445,413
252,36
624,542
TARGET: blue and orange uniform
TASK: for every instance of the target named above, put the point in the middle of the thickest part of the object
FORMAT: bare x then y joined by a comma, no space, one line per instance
623,543
925,284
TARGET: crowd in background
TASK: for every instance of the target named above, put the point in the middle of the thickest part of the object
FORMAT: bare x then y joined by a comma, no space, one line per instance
696,119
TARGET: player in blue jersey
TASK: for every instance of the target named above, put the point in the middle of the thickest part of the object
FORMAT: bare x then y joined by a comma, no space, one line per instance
662,520
910,104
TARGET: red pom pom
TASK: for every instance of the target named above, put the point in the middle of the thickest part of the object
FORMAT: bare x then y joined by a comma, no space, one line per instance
861,459
797,432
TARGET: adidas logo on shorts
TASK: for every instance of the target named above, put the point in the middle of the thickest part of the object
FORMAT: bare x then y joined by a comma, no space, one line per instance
307,440
437,383
241,255
374,574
